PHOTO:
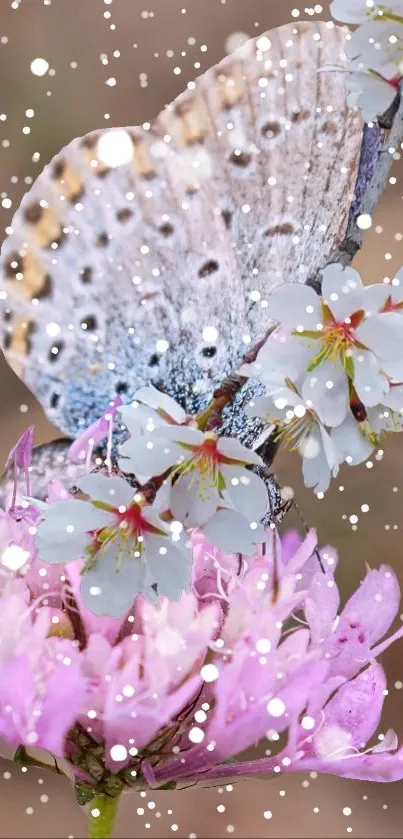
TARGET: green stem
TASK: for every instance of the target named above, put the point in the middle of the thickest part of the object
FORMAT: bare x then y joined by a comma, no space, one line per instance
103,810
389,16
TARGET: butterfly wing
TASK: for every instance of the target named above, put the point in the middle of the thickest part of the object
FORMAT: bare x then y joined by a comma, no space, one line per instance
146,254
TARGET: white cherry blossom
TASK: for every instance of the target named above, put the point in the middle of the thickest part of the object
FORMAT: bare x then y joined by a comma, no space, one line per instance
300,427
208,473
369,91
344,338
126,548
378,46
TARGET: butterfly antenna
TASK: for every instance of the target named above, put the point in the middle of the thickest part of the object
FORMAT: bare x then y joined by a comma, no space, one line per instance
306,528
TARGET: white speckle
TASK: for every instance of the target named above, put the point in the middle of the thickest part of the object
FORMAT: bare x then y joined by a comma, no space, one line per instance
53,329
14,557
209,672
210,334
162,346
276,707
263,645
118,752
196,735
39,66
115,148
364,221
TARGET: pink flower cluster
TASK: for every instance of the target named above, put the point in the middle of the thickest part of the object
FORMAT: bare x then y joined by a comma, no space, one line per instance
257,648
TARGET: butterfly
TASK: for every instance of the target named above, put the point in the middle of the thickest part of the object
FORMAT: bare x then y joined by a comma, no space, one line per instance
146,255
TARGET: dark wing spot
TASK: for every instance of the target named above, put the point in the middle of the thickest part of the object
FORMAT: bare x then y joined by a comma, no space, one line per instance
209,352
59,169
34,213
240,158
46,289
125,214
271,130
89,323
227,218
89,142
54,400
208,268
284,229
103,240
55,351
300,115
86,275
121,387
329,127
153,360
14,266
58,240
166,229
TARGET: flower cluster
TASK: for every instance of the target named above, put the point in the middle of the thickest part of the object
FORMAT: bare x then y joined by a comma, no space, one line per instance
332,370
174,692
133,539
376,52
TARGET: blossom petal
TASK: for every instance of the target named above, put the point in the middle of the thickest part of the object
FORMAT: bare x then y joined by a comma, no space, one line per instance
160,402
64,550
349,11
294,305
169,565
341,289
371,385
283,355
146,454
394,398
321,605
232,533
375,604
372,94
181,435
81,515
375,297
326,388
194,498
247,492
111,490
356,708
381,768
106,591
315,463
383,334
350,442
234,450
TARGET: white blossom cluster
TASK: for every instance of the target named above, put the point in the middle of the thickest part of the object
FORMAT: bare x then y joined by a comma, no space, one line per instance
332,370
375,50
187,479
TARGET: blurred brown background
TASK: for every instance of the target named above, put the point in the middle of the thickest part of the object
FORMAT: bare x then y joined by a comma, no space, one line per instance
140,43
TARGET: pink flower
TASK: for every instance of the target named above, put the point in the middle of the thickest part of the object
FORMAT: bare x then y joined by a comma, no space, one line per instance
174,690
20,456
350,640
100,430
142,684
41,684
